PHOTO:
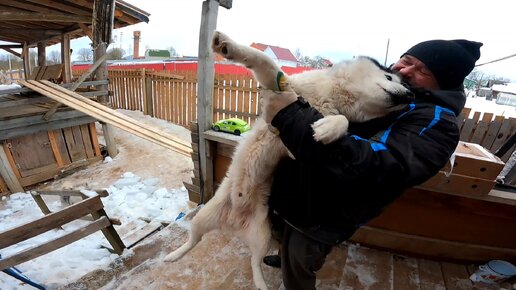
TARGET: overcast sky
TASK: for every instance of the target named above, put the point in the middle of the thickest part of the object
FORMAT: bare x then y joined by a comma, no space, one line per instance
335,29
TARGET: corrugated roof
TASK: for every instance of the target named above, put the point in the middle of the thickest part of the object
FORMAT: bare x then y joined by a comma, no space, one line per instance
283,53
507,88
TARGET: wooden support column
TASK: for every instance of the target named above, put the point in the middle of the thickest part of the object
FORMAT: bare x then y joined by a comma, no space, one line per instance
103,21
65,58
206,76
42,54
102,74
26,60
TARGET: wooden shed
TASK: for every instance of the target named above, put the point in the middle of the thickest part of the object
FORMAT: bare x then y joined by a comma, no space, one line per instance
40,139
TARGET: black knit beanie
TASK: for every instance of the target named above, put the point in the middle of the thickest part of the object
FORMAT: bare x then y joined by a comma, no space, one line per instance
450,61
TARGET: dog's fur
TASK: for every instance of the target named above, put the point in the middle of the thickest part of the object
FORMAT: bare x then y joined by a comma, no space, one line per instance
356,90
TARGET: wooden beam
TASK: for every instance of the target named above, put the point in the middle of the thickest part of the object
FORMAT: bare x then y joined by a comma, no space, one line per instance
54,244
83,77
86,30
205,76
37,31
51,221
4,46
50,17
64,7
27,6
12,52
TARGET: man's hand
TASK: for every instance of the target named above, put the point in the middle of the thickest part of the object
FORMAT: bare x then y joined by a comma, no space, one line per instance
274,101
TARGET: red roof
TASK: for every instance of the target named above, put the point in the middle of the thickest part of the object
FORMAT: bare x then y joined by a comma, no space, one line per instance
280,52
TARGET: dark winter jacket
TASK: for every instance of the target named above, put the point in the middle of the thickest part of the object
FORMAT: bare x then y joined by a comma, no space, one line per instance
330,190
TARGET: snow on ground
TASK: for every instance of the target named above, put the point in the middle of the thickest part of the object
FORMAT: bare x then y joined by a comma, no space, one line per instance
144,182
480,104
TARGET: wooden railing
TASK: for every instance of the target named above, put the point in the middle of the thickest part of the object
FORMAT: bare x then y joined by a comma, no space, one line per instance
490,131
172,96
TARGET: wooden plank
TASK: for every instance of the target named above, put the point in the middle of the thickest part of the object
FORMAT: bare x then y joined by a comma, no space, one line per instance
111,116
430,275
492,132
110,233
54,244
55,148
52,72
94,139
86,139
132,238
48,222
456,277
333,269
480,132
42,127
405,273
100,192
31,152
7,172
503,134
76,84
356,265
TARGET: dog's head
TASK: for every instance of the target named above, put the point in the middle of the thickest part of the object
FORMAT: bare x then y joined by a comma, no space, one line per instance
376,90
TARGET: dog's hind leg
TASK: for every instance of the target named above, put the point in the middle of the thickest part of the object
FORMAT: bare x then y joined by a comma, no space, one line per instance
207,219
258,237
264,68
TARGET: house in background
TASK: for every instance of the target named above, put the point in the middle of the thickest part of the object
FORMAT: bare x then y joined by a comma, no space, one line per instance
505,94
282,56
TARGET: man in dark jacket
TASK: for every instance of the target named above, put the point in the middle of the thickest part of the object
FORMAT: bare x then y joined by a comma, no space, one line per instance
328,191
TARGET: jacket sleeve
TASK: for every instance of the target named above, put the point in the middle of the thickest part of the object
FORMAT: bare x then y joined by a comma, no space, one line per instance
409,152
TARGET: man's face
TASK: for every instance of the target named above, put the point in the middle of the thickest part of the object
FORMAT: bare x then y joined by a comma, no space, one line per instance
414,72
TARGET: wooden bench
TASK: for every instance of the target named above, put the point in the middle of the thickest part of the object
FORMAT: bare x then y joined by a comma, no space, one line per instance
91,205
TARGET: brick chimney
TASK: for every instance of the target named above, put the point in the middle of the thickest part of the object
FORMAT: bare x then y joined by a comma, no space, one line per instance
136,44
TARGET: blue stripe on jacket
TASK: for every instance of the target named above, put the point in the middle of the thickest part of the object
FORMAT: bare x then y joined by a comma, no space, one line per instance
437,117
379,146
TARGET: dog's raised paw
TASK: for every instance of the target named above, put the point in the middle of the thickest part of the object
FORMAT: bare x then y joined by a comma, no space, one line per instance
330,128
222,44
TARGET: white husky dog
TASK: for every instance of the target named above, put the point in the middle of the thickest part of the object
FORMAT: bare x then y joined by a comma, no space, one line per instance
356,90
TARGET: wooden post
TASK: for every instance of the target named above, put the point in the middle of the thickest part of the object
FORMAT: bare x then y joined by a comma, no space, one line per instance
42,55
65,58
205,76
102,74
147,83
26,60
103,21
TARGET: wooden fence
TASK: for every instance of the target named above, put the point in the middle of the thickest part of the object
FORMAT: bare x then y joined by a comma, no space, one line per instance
171,96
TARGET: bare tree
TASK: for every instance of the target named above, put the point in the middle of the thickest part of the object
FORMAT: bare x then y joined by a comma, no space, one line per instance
173,52
54,57
115,53
85,54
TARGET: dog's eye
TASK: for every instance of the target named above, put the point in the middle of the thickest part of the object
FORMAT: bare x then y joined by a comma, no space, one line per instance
388,77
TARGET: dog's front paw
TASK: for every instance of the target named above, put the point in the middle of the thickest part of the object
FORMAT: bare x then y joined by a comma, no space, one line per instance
330,128
222,44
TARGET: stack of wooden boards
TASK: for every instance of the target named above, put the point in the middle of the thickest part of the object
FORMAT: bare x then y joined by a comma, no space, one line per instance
474,172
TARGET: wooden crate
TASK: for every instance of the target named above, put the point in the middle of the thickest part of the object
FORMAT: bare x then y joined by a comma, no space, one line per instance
474,172
42,156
